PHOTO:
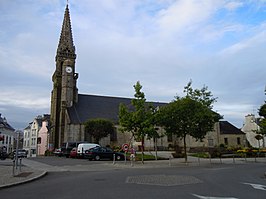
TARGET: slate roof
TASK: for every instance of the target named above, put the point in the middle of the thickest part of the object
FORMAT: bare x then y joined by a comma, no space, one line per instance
228,128
95,106
4,124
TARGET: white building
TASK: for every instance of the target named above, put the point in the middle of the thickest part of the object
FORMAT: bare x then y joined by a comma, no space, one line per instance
7,134
31,135
250,128
36,132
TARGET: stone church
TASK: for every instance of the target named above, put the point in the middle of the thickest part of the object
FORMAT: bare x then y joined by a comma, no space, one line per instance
69,109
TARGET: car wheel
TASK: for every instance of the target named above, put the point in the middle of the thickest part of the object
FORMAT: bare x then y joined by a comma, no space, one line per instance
97,157
118,157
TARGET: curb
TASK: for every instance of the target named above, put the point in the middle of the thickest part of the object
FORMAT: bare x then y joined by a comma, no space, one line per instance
24,181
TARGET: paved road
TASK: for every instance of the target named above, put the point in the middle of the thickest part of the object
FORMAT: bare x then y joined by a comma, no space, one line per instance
85,179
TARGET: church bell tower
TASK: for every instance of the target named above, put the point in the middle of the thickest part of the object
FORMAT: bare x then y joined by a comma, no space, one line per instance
65,92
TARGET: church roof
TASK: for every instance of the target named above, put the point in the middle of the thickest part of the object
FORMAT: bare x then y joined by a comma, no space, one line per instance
95,106
228,128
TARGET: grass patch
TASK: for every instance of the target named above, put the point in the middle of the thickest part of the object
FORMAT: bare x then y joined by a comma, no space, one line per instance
200,155
145,157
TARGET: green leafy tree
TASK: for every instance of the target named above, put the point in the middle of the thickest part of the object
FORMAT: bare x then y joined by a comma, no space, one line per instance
138,117
202,95
262,110
99,128
190,115
262,122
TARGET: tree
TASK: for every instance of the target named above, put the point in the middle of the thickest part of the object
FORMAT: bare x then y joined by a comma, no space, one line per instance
262,122
99,128
202,95
262,110
189,115
138,117
259,137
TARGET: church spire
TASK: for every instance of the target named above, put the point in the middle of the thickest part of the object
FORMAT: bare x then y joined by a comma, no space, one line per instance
66,48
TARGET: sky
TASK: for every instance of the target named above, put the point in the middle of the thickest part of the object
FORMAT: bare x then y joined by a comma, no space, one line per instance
163,44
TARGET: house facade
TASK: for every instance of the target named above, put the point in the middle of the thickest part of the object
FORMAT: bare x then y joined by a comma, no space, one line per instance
43,136
7,135
36,136
250,128
224,133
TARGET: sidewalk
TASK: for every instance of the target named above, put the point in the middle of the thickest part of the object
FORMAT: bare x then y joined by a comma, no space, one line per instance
8,177
32,170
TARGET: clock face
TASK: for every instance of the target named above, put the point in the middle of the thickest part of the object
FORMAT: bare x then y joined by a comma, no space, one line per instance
68,69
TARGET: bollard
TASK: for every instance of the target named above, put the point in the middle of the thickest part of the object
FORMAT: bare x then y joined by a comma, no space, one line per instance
131,160
113,158
170,161
198,160
13,168
125,157
20,160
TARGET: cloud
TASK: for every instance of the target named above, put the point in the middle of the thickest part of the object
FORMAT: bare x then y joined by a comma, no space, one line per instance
19,97
183,15
258,37
162,43
233,5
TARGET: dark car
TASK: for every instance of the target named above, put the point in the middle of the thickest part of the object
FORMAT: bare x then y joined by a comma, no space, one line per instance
3,153
99,153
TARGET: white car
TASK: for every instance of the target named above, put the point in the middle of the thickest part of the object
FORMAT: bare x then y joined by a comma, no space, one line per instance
83,147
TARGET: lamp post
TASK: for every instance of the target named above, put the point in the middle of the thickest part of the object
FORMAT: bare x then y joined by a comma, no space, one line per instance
16,159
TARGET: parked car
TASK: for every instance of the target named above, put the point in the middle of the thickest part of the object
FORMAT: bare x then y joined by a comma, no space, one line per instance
73,153
22,153
83,147
3,153
99,153
68,146
58,152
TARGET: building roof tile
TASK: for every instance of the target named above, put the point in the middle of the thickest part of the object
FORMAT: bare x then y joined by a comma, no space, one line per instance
95,106
228,128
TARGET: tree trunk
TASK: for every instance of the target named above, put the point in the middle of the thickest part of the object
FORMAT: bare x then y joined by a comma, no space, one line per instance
185,148
142,150
156,155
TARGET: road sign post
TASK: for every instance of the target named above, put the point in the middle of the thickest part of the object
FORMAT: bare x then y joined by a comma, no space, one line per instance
125,149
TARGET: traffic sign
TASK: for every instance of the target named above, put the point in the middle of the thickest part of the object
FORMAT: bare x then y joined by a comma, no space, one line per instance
125,147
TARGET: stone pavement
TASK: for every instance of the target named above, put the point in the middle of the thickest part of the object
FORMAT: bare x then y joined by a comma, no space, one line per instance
10,176
32,170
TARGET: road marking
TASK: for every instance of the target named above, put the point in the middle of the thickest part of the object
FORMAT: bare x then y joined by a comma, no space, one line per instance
257,186
209,197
